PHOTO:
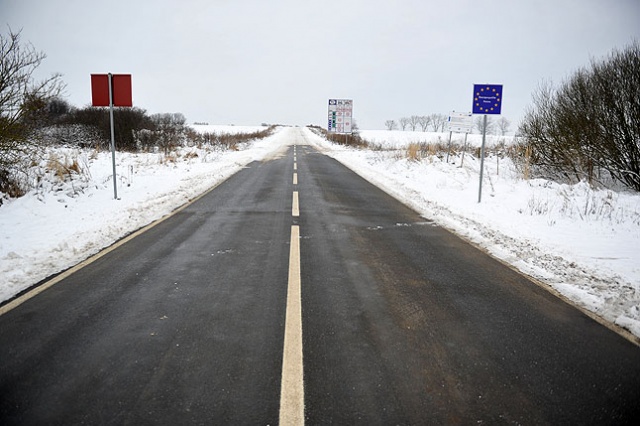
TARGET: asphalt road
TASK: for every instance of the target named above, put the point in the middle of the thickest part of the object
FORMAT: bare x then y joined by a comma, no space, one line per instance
402,322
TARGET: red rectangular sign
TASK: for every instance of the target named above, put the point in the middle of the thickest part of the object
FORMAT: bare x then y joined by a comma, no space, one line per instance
121,84
122,90
99,90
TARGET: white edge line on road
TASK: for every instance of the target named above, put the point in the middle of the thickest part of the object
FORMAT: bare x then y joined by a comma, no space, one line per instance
292,384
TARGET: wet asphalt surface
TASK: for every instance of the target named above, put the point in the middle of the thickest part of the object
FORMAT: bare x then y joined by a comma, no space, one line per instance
403,322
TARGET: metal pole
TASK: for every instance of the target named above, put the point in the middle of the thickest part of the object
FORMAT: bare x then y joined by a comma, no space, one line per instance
464,150
449,147
113,140
484,135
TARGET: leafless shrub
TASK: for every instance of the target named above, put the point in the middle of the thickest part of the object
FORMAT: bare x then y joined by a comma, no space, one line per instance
354,140
232,141
589,128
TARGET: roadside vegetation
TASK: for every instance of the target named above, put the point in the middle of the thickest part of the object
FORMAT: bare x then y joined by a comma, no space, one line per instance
588,128
35,119
352,139
585,130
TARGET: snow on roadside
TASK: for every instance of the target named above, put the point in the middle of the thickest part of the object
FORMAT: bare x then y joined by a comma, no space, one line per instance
227,129
64,221
583,243
401,139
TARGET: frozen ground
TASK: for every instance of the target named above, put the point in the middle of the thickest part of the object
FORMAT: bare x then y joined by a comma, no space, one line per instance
582,243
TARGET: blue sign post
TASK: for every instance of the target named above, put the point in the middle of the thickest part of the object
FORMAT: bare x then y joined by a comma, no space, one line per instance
487,99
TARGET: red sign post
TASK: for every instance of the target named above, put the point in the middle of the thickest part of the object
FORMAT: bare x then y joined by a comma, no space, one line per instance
111,90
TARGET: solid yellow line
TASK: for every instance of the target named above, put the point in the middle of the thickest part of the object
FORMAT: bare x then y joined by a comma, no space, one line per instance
295,209
292,384
295,178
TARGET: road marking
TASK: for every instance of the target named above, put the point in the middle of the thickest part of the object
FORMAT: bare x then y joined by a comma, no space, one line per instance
295,209
292,384
295,166
295,178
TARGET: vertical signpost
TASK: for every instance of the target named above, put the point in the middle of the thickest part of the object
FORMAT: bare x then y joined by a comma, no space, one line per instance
487,99
459,122
111,90
340,117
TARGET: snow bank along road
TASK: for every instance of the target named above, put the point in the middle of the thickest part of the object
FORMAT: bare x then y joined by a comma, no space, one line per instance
297,292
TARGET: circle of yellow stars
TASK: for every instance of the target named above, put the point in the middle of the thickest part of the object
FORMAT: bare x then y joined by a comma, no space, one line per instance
488,89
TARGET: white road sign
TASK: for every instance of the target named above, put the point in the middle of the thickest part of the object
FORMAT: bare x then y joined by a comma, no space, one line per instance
460,122
340,116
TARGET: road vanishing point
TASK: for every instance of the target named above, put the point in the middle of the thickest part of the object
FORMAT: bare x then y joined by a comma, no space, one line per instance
297,292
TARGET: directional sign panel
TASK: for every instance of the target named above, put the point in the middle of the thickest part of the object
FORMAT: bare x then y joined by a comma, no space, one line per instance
487,98
340,116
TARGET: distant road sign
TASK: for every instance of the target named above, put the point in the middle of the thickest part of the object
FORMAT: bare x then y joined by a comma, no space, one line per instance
460,122
340,117
487,98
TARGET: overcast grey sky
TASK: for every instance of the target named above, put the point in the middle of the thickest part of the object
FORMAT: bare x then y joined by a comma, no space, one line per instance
279,61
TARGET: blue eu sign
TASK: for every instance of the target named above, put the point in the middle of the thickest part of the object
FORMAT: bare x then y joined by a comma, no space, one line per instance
487,98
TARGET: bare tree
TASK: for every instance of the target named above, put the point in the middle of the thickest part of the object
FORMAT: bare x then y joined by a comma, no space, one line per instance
588,128
480,124
414,120
503,125
425,120
23,102
404,122
355,129
438,122
390,124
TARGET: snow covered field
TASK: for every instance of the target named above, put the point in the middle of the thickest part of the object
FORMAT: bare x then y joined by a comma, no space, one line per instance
400,139
228,129
582,242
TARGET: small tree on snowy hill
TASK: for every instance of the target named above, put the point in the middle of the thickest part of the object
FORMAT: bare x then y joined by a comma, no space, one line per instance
22,100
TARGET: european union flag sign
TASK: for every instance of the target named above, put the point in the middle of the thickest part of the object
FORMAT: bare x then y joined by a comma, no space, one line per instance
487,98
